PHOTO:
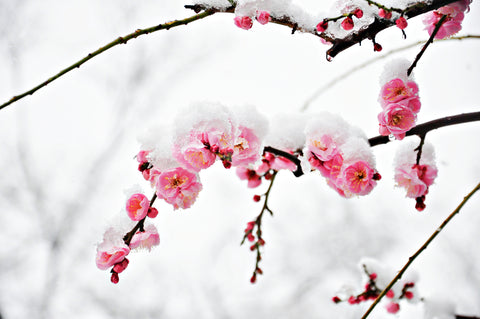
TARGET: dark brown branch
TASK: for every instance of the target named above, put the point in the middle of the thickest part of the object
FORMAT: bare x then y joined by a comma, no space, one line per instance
424,128
378,25
430,40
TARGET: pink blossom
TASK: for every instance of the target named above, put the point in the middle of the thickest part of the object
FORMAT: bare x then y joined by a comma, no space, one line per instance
358,178
358,13
243,22
401,23
137,207
415,178
452,24
147,239
111,250
331,168
263,17
397,90
247,148
392,307
347,24
324,148
244,173
280,162
178,187
396,119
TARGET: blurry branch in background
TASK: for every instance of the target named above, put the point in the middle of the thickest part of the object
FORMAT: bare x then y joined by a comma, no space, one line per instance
119,40
419,251
363,65
203,11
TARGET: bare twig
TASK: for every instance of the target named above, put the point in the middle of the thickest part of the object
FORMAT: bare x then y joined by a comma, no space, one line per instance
430,40
119,40
363,65
419,251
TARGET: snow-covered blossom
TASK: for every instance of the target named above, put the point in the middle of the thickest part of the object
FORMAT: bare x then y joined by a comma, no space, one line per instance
341,154
452,24
179,187
111,250
137,206
146,239
399,100
415,178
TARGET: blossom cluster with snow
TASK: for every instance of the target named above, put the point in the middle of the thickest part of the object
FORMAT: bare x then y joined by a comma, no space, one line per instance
399,100
454,13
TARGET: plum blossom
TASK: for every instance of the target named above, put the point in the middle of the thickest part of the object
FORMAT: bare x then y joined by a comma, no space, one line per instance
111,250
401,23
247,147
146,239
397,90
452,24
178,187
137,207
358,178
244,173
396,119
415,178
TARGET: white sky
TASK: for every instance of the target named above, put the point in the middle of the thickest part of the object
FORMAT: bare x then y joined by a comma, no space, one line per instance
68,155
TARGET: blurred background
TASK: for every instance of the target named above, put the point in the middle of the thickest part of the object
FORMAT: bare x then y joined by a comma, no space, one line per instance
67,155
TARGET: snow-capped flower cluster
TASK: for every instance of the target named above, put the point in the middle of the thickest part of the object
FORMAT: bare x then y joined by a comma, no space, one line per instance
342,155
452,24
399,100
375,278
415,178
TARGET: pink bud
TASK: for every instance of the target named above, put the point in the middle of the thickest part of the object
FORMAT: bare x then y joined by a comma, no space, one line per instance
377,47
401,23
152,212
322,26
256,198
347,24
250,237
392,307
390,294
114,278
120,266
254,278
335,299
408,294
259,271
243,22
373,276
358,13
384,14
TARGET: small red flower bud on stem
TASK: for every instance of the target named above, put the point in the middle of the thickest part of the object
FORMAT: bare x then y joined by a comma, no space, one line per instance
256,198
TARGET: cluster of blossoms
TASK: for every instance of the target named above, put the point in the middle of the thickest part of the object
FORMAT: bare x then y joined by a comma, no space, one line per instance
375,282
453,22
112,251
342,155
257,242
415,177
399,100
246,22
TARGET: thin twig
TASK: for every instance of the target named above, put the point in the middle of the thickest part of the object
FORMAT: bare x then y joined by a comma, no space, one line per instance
119,40
430,40
363,65
419,251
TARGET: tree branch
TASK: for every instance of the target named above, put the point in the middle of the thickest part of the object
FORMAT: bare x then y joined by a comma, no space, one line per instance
424,128
363,65
378,25
119,40
419,251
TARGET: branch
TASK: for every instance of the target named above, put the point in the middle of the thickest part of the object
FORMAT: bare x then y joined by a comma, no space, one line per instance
419,251
430,40
424,128
119,40
363,65
378,25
